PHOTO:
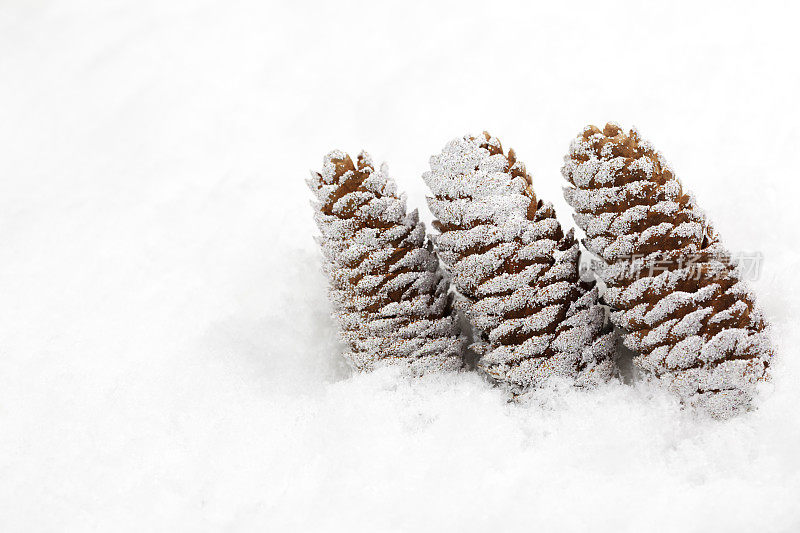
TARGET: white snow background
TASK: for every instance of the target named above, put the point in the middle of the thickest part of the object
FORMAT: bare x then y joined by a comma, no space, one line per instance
167,359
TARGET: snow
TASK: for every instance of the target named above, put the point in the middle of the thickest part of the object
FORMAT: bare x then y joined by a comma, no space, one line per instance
167,356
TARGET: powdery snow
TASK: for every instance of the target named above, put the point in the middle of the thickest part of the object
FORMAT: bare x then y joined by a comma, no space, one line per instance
167,356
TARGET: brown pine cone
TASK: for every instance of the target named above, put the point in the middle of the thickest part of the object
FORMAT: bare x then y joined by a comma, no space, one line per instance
516,269
391,300
670,283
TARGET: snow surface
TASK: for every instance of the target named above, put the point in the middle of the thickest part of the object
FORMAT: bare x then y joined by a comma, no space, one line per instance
167,358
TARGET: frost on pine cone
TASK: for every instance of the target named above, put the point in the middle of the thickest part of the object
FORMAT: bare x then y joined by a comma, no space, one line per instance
670,283
391,300
516,269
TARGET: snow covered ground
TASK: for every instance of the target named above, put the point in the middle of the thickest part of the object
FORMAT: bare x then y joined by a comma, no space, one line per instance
166,356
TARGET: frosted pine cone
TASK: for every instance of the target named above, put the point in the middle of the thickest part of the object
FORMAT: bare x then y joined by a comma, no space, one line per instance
391,300
517,270
670,283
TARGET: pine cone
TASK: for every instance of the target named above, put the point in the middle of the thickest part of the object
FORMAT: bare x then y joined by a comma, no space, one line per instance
391,300
670,283
516,269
